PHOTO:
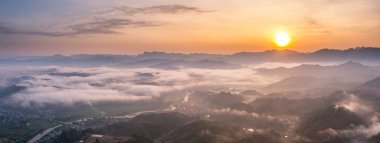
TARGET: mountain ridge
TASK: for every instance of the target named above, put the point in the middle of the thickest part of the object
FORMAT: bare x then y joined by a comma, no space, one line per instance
361,54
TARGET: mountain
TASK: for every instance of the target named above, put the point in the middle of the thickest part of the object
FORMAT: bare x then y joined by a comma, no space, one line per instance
175,56
9,90
308,85
149,126
375,139
284,106
296,83
266,56
349,71
74,60
216,100
204,132
368,89
374,84
357,54
330,117
269,137
251,93
323,55
361,54
205,64
179,63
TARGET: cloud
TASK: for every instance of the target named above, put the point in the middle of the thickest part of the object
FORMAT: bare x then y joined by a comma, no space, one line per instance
97,26
367,132
359,133
52,95
6,30
46,85
160,9
106,22
311,24
108,26
355,104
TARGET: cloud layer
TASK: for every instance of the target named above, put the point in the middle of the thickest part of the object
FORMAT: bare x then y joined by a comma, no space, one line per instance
53,85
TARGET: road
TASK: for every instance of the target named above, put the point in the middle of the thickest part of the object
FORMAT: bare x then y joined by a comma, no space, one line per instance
129,116
45,132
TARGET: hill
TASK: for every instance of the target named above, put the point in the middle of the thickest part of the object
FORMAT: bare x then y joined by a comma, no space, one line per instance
204,132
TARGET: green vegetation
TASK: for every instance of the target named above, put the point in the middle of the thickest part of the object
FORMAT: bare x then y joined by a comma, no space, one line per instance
30,127
37,124
71,135
13,132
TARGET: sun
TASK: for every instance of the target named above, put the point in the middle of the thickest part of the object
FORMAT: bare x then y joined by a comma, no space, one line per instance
282,39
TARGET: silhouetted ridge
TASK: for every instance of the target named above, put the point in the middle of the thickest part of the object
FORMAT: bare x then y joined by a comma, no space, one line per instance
375,83
360,53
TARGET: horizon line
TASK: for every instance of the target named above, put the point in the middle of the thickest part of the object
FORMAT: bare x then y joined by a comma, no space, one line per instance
200,53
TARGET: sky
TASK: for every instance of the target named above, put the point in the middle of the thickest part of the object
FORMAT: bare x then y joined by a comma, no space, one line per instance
46,27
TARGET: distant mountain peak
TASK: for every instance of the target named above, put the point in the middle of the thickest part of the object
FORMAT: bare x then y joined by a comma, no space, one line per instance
352,64
374,83
152,53
281,51
350,49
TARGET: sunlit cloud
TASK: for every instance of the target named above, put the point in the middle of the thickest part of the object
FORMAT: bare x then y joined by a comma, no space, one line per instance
159,9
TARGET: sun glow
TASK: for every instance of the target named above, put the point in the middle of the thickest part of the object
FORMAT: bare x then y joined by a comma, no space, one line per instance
282,39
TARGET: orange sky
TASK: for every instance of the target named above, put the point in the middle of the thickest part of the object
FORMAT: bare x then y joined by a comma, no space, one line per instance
213,26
